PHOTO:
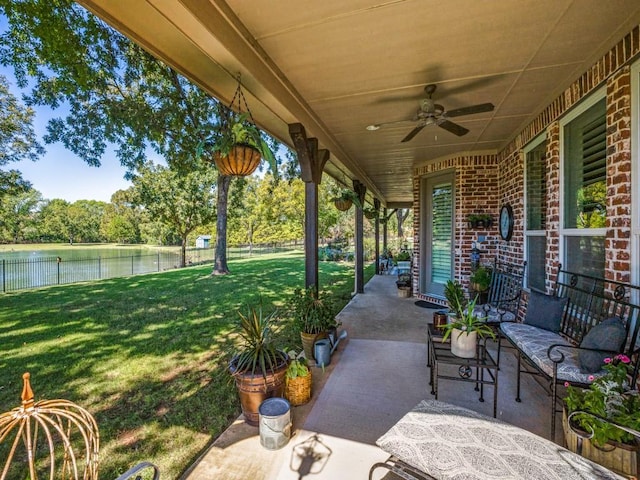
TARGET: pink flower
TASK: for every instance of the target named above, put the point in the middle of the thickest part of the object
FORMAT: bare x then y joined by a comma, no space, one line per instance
566,384
623,358
591,378
608,360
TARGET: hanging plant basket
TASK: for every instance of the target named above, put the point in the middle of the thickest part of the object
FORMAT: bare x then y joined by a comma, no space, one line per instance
242,160
370,214
343,204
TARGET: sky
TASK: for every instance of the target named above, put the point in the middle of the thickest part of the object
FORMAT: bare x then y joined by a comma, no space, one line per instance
60,173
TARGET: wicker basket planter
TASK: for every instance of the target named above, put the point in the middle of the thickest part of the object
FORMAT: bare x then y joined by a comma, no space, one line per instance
621,458
298,390
343,204
243,160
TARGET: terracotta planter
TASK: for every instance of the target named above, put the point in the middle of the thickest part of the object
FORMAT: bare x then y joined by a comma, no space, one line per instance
343,204
620,457
462,344
241,161
254,389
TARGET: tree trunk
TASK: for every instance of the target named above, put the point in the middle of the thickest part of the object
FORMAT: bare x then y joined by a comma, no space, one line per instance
220,264
401,215
183,252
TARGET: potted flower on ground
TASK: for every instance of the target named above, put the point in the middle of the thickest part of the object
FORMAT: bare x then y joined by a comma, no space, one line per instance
313,315
591,415
257,367
298,380
465,330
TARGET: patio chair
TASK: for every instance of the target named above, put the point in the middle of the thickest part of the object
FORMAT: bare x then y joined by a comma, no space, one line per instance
441,441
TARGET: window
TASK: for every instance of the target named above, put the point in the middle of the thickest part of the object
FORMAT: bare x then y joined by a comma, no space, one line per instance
585,189
536,214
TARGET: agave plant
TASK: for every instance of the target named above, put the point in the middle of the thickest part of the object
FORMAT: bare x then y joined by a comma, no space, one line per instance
257,353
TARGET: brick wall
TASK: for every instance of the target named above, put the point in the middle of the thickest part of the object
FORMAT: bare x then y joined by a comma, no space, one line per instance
503,175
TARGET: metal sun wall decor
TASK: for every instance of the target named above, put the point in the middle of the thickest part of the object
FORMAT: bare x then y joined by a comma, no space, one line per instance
59,426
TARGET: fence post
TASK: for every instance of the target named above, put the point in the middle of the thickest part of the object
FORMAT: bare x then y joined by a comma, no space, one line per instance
131,264
4,276
58,264
158,260
99,267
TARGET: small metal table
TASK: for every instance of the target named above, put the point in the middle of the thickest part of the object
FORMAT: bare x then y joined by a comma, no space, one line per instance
442,361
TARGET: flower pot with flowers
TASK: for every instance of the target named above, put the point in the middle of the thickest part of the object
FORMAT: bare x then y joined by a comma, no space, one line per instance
599,422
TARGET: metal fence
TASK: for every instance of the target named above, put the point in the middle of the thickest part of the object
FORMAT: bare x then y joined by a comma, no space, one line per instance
22,274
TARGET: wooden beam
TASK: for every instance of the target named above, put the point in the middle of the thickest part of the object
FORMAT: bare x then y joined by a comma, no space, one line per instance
361,190
312,162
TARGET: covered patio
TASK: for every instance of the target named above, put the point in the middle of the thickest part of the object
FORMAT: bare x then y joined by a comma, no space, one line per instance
374,378
522,111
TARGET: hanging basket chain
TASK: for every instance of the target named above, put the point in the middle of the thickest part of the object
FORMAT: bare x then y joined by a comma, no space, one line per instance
239,95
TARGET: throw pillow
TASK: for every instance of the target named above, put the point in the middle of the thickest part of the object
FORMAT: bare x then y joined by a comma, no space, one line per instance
609,335
545,311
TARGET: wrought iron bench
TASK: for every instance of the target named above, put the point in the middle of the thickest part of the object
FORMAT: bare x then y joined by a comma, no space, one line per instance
505,292
440,441
569,353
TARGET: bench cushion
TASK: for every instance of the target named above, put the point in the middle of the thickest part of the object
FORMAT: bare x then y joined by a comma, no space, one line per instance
450,442
493,314
534,342
609,336
545,311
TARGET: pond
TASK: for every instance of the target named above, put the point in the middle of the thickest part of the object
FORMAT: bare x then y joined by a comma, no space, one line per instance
29,268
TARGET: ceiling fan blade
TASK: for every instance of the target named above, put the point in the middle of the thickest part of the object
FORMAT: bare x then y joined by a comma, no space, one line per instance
483,107
454,128
412,133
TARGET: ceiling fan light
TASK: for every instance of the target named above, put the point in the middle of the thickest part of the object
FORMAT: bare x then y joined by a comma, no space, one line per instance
430,121
373,127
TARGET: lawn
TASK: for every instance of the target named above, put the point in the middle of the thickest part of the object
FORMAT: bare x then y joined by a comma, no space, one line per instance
147,355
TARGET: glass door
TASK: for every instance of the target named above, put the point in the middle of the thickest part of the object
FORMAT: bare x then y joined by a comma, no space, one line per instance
437,233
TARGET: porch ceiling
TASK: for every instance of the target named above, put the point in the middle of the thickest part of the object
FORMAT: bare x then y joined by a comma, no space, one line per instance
338,66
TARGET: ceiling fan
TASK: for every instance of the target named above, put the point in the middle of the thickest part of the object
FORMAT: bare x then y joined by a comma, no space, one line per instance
431,113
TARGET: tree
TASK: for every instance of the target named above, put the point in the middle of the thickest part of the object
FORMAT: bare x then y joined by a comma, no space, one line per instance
122,218
116,92
17,140
53,220
17,214
180,201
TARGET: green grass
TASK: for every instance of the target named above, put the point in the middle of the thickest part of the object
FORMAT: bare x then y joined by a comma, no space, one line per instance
147,355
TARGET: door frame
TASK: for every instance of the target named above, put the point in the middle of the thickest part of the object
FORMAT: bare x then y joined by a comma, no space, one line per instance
426,185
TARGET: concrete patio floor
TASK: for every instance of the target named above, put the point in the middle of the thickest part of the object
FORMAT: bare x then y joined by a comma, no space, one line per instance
376,375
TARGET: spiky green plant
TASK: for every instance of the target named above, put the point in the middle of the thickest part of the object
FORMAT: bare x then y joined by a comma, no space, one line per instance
257,353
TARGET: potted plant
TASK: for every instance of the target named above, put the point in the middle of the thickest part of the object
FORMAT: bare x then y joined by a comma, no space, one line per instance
237,146
465,330
345,199
480,220
257,367
298,380
456,299
313,315
590,415
479,282
370,212
404,285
